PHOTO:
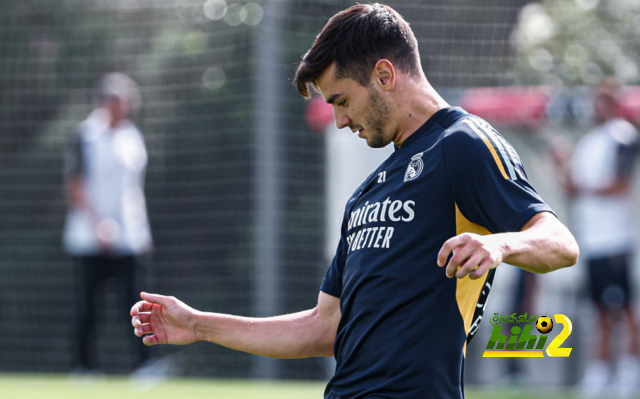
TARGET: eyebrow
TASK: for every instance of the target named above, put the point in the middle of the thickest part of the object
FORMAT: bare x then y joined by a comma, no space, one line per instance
333,98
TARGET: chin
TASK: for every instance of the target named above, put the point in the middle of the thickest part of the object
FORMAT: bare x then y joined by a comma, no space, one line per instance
376,143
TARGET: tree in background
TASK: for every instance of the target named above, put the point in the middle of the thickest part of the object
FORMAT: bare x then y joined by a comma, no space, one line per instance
573,43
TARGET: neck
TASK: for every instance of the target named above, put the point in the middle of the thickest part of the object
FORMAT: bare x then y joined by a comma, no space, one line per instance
114,122
606,119
418,103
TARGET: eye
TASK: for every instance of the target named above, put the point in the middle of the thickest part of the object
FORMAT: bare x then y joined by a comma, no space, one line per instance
342,104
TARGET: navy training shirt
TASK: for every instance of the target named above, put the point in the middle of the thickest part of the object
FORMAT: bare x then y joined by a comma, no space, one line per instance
405,325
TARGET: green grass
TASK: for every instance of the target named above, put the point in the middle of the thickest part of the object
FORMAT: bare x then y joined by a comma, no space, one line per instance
21,386
26,386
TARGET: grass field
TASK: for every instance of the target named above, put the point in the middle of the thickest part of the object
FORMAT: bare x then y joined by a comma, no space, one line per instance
24,386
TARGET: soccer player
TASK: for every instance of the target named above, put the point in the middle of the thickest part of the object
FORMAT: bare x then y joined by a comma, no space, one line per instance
421,237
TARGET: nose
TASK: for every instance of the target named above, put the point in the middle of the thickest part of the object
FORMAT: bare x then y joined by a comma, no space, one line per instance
342,120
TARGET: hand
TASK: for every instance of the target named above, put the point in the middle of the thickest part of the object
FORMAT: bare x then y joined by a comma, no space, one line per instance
473,255
107,232
169,320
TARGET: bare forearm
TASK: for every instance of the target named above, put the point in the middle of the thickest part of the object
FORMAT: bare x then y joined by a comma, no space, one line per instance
542,248
542,245
296,335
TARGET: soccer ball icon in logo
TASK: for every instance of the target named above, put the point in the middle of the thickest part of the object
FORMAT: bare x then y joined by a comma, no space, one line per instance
544,324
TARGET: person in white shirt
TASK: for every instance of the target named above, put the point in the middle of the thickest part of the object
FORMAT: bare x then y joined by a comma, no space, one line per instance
107,230
599,178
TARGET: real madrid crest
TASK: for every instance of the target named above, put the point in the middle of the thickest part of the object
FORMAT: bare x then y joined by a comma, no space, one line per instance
415,167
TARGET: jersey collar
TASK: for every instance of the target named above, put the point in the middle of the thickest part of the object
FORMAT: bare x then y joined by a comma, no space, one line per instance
444,117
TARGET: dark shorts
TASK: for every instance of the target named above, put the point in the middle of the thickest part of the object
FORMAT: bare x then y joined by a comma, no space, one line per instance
609,281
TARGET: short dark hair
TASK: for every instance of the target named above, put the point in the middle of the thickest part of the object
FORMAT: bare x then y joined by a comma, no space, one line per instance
355,39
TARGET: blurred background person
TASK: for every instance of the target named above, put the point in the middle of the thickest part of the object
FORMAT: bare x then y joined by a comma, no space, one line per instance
598,176
523,299
107,230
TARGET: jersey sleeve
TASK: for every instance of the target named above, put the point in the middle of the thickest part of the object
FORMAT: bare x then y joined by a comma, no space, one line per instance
626,156
332,283
73,159
487,178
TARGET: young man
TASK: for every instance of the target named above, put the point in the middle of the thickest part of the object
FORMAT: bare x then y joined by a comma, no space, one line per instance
390,309
599,178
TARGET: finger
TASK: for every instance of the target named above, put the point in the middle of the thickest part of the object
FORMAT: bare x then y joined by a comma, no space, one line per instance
150,340
460,256
447,247
141,306
143,329
483,268
142,318
155,298
470,265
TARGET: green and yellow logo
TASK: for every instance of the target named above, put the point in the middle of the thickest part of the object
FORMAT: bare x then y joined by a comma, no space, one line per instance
522,343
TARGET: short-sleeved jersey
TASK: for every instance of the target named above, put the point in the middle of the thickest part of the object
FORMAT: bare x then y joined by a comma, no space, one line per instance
404,324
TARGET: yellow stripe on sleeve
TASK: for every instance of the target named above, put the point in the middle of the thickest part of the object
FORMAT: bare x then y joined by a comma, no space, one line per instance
489,145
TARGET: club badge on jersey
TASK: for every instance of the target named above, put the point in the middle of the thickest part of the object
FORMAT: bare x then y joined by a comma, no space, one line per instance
415,167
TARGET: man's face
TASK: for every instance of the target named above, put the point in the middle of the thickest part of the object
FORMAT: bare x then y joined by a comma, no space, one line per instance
362,109
118,108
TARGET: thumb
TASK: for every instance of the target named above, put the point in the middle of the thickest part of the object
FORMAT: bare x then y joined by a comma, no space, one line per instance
155,298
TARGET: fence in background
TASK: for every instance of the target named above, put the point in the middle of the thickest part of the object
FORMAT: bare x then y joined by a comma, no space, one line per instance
235,183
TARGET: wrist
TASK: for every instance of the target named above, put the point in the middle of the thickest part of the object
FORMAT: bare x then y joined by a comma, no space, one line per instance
197,324
204,325
505,246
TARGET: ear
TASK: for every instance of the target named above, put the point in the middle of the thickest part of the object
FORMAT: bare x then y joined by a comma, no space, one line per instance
384,75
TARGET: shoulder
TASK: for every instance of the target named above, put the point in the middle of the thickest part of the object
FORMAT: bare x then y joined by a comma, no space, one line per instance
132,129
128,133
473,145
623,132
127,124
469,133
92,127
